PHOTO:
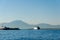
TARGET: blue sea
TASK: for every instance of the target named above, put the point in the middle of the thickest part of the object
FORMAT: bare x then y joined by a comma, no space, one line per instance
29,34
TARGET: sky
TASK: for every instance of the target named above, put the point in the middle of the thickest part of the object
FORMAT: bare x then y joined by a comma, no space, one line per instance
30,11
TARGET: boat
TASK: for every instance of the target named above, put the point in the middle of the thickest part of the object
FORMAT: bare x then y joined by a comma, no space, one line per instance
36,28
7,28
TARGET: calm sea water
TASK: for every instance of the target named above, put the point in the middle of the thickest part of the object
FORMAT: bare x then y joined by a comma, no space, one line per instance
29,34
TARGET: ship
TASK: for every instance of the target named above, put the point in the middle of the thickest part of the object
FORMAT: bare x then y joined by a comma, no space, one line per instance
36,28
7,28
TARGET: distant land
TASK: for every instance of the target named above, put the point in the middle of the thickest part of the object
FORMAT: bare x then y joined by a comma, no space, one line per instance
22,25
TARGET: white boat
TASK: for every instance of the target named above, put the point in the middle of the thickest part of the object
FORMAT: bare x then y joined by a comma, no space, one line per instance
36,28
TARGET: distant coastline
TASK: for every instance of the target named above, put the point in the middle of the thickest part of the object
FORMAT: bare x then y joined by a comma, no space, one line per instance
18,24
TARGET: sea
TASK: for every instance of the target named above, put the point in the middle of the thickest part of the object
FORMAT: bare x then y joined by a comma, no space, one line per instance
29,34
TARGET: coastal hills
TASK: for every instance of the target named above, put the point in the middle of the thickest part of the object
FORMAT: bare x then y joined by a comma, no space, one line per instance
22,25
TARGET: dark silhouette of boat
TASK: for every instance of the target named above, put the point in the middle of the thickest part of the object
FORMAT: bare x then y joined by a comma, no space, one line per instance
6,28
38,27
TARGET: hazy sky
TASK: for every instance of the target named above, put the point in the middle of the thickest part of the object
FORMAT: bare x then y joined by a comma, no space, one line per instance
30,11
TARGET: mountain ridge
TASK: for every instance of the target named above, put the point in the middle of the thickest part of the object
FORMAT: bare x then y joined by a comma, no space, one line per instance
23,25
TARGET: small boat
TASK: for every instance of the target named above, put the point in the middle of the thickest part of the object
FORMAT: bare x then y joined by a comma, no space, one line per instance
36,28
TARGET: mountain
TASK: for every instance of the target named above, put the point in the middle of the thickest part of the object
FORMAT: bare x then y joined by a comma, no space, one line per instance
22,25
48,26
17,23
